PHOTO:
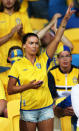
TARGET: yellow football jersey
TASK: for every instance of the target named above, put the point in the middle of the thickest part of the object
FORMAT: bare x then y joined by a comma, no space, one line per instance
2,91
26,72
4,78
64,81
7,22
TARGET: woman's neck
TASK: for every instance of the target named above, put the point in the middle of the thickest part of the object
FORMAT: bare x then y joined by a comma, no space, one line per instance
9,11
31,58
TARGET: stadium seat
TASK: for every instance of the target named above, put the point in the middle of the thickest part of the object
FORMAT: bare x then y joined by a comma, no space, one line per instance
69,2
34,23
14,114
66,123
64,120
75,59
73,36
5,124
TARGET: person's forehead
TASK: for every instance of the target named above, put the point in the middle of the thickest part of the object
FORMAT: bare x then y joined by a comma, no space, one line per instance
64,53
32,38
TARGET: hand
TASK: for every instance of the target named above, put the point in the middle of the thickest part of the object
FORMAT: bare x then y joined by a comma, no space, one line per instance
69,12
14,29
68,111
58,111
35,84
20,29
54,19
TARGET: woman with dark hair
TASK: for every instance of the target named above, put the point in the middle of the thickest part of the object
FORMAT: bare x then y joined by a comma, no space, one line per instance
13,25
31,73
16,6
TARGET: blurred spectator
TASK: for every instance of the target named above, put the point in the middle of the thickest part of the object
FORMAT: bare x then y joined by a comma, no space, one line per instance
13,25
49,36
15,54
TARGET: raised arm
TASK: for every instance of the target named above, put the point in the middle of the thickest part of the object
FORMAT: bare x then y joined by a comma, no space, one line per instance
53,45
64,39
67,42
43,31
17,28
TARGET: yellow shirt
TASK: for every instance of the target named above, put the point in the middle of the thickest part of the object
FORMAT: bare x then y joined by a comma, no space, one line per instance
2,91
26,72
7,22
4,78
64,81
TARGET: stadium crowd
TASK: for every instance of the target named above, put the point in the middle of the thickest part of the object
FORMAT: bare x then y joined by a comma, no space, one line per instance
39,65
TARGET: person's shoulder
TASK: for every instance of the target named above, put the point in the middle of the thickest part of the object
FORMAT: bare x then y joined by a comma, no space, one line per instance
21,14
75,67
18,63
54,68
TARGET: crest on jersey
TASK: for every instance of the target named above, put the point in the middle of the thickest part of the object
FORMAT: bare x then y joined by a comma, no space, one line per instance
75,79
24,103
38,65
18,21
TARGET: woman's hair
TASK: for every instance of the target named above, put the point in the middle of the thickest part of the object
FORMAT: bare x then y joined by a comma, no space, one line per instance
26,36
16,6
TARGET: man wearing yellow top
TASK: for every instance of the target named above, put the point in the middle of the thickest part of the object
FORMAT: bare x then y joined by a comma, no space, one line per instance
3,102
13,24
61,80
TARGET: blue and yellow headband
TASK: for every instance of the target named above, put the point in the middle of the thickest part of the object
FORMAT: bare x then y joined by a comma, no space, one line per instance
63,48
16,55
66,48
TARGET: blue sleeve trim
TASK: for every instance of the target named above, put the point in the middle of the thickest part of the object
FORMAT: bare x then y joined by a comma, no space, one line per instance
48,61
3,69
51,85
16,79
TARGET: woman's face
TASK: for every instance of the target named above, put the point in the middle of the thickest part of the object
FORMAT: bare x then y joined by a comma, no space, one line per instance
32,45
8,3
